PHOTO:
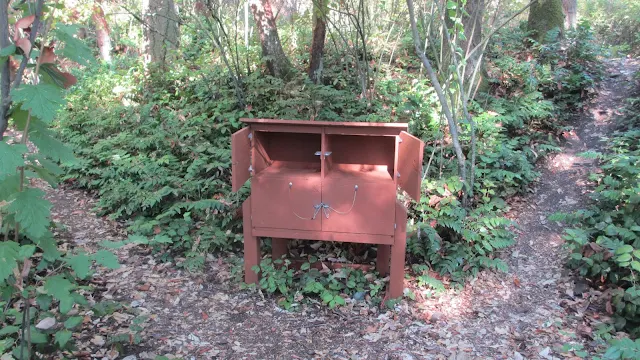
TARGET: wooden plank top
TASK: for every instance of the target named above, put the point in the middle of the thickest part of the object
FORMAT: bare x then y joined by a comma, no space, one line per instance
399,126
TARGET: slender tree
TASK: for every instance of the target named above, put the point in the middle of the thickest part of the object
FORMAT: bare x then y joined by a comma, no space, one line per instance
277,62
570,9
161,31
320,11
545,15
102,31
5,75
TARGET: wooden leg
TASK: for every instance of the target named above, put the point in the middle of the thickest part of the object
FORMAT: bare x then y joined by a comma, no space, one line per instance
251,245
278,248
382,262
396,282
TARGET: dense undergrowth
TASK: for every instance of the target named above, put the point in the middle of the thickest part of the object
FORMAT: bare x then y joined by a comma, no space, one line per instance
616,24
605,238
157,151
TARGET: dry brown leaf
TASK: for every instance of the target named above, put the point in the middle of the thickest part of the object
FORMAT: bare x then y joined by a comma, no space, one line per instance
144,287
48,56
24,44
608,307
23,23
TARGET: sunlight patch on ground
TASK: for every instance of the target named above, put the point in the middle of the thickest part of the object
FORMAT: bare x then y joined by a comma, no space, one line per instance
565,161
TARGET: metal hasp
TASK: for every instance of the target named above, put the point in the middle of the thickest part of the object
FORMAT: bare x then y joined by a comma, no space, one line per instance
346,191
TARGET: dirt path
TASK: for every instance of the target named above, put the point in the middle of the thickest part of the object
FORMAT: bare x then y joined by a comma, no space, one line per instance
529,312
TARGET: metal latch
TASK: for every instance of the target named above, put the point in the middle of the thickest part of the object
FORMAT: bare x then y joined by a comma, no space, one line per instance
318,153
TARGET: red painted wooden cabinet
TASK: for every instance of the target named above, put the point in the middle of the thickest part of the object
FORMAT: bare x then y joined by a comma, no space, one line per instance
332,181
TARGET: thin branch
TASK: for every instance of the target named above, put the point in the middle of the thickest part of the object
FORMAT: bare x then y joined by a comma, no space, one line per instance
488,37
5,80
32,39
453,129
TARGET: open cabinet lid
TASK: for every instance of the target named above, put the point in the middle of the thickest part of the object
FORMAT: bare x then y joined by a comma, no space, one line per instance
410,154
240,158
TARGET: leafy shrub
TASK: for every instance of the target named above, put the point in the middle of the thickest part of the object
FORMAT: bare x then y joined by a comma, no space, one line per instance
163,163
332,287
455,241
43,289
616,24
156,150
605,238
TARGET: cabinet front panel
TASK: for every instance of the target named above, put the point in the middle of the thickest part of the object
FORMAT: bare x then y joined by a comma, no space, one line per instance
372,212
275,204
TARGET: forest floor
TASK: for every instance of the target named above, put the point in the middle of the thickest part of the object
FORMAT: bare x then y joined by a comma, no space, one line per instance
530,312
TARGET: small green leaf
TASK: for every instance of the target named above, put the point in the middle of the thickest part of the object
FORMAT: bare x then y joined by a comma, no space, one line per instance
74,49
81,264
11,157
106,259
73,321
9,186
305,266
44,100
9,253
49,247
10,329
326,296
162,239
339,300
623,258
624,249
635,265
9,50
46,142
32,211
62,337
44,301
37,337
79,298
58,287
26,251
66,304
138,239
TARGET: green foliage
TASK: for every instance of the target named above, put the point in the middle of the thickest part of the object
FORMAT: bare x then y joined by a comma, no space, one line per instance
616,24
31,211
622,349
456,241
43,100
41,286
605,238
333,288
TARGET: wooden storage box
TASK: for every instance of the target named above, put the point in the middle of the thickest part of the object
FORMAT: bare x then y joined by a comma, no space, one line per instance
333,181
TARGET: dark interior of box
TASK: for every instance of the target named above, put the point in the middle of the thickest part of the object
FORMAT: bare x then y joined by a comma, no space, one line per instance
347,155
361,155
292,151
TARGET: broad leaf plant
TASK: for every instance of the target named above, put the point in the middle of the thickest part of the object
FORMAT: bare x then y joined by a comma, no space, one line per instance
42,288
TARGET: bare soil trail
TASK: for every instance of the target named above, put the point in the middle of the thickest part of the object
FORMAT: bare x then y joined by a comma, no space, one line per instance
529,312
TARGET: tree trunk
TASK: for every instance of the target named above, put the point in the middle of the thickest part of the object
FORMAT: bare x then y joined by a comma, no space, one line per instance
5,75
472,24
320,10
277,62
545,15
102,32
570,9
160,30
